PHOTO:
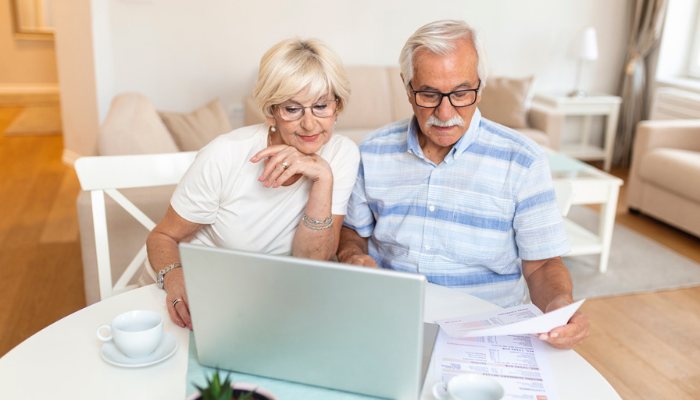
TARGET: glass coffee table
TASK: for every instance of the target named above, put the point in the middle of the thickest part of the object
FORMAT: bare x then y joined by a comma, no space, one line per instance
590,186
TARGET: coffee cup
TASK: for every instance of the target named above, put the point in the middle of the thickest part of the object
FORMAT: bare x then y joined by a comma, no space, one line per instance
136,333
469,387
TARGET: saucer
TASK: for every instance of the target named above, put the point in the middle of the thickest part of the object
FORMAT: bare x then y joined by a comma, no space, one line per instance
165,349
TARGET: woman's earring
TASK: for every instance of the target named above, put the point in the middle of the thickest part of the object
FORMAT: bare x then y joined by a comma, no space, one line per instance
272,128
336,122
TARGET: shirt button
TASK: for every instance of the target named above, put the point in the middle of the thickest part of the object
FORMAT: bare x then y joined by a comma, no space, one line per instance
427,247
431,208
437,169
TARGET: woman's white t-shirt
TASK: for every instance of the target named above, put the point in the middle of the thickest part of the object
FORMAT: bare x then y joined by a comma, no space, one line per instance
222,191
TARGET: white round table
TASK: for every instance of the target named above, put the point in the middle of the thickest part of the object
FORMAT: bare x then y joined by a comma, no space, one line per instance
63,360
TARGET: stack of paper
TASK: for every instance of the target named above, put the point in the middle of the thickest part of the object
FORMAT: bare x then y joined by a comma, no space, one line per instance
500,344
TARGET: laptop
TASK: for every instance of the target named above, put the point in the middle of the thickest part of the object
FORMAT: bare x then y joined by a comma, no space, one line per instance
319,323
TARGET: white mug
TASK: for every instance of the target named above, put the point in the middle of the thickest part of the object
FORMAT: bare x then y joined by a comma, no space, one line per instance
136,333
469,387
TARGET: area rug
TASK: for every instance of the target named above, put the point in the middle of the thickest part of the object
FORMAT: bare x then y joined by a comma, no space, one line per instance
637,264
36,120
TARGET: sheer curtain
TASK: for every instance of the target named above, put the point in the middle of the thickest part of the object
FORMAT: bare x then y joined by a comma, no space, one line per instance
647,18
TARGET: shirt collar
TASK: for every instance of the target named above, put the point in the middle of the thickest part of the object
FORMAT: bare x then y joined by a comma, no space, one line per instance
462,144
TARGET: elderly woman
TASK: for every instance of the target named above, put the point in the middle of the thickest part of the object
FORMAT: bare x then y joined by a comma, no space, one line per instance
278,188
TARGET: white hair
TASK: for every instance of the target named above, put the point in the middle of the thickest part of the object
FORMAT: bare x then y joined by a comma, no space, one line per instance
439,37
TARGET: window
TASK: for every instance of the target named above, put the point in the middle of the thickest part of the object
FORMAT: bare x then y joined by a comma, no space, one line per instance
694,59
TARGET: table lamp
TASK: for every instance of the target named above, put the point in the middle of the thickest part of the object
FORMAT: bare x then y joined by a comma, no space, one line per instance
583,48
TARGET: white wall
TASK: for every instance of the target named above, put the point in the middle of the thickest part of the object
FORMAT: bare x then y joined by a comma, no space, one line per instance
76,74
181,53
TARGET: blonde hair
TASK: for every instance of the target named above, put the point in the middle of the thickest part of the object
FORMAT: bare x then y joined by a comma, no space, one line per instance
439,38
294,65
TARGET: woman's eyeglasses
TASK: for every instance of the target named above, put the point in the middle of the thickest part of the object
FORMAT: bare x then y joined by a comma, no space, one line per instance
293,111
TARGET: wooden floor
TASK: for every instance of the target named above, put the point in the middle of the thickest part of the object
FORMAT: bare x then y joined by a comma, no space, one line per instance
646,345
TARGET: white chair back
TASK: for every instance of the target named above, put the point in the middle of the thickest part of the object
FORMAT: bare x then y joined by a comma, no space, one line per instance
565,195
107,174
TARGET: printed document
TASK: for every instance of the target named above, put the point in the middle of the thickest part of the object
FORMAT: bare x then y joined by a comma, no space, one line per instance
519,363
499,344
518,320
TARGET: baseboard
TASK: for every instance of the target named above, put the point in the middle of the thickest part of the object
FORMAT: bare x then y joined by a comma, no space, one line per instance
69,157
29,94
24,89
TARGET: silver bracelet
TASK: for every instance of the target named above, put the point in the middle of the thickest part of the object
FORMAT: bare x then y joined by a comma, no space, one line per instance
313,221
317,228
160,278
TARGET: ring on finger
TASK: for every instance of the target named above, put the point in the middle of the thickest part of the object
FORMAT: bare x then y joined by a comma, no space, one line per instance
284,164
176,301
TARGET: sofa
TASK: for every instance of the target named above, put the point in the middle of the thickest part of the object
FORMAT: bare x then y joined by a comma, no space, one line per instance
663,179
134,126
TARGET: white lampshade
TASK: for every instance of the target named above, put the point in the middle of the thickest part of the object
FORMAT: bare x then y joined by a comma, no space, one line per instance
585,45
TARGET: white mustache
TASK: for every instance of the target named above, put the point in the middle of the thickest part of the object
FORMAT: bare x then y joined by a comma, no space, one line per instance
454,121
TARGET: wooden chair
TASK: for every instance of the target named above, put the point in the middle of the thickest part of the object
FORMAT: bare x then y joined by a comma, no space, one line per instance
108,174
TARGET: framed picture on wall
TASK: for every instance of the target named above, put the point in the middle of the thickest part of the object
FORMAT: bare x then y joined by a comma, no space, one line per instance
32,19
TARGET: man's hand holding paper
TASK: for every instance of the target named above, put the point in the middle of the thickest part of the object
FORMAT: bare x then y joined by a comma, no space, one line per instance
560,323
571,334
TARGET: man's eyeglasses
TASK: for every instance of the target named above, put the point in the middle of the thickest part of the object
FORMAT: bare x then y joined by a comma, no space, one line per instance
293,111
458,98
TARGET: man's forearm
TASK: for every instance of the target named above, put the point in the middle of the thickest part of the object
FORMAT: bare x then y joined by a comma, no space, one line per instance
350,244
550,289
547,281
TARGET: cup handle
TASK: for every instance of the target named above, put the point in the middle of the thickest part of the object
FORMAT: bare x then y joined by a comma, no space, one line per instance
104,338
437,393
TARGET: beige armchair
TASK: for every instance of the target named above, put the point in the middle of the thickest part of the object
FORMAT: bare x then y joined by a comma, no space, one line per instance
665,174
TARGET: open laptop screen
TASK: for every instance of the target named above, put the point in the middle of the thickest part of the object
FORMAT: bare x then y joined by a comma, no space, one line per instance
320,323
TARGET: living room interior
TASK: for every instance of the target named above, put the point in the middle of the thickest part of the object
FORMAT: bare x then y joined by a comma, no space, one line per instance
177,57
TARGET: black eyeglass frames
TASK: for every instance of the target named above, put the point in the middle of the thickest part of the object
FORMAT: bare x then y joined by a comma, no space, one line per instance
432,99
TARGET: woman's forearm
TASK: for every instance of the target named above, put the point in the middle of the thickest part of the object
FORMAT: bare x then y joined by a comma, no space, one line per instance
162,250
162,242
319,243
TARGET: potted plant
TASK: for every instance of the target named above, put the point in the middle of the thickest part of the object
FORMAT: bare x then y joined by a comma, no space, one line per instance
227,390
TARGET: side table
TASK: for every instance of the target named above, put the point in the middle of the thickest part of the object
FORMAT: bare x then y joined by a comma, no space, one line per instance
595,104
590,186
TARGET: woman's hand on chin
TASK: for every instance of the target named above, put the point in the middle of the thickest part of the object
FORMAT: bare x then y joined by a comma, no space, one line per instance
282,162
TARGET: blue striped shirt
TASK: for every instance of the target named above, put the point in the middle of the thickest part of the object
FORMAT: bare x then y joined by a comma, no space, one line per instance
466,223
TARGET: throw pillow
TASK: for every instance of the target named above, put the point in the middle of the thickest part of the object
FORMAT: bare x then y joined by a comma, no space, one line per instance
505,101
132,126
192,131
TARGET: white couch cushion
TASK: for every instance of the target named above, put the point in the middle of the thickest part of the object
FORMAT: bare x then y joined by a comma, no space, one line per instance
133,126
401,106
370,99
196,129
505,101
675,170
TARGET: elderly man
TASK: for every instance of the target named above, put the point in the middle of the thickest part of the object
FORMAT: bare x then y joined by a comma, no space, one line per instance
460,199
